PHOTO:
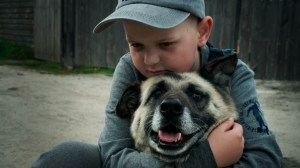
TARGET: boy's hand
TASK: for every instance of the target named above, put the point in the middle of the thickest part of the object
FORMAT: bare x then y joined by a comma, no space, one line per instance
227,143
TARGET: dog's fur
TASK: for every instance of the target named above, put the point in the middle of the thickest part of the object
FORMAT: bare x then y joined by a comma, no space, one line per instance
172,112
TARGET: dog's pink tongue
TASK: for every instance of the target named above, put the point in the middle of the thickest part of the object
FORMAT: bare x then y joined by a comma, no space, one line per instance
169,136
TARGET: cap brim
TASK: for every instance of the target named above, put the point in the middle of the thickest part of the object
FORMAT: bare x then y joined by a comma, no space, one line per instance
156,16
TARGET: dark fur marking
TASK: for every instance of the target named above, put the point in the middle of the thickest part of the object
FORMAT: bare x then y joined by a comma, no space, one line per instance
129,101
224,93
220,70
199,97
205,117
157,90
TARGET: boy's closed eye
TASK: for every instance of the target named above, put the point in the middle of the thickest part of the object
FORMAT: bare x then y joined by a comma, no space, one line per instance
135,45
163,45
166,44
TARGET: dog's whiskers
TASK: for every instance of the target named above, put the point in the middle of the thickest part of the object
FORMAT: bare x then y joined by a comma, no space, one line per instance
203,124
148,126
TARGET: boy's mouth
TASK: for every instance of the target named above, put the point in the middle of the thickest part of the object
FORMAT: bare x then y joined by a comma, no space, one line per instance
155,73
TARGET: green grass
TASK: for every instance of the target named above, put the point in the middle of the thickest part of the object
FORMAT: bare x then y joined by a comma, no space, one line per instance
23,55
17,51
57,68
86,69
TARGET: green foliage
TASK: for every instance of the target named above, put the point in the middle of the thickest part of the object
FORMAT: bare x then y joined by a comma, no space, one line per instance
48,67
22,55
86,69
16,51
57,68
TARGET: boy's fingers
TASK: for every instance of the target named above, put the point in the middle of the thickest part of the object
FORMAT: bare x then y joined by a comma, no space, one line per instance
228,124
238,128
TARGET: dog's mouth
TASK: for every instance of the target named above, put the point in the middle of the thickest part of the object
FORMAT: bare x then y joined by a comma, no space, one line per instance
170,137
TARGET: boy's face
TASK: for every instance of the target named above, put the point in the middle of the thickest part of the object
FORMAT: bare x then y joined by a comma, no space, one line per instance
155,51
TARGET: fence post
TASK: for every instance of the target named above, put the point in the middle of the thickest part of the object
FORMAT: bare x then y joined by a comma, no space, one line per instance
68,37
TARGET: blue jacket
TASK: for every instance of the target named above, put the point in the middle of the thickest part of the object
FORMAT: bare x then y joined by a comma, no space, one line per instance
261,148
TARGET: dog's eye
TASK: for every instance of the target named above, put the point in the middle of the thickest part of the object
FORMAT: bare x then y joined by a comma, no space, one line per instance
157,93
196,96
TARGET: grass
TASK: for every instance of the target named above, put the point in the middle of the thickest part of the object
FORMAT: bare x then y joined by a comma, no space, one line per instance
16,51
22,55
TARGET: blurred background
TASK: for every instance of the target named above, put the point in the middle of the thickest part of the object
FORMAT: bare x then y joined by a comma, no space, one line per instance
266,33
39,109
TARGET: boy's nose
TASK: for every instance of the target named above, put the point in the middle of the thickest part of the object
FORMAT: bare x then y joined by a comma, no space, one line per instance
151,58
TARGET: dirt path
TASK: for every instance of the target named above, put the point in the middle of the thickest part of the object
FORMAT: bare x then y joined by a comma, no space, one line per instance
39,110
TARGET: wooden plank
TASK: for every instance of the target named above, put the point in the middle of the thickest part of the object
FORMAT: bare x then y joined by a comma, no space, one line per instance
16,33
265,30
295,40
102,49
17,16
288,60
47,30
16,10
225,16
68,33
269,38
17,21
258,30
23,39
14,27
8,1
16,4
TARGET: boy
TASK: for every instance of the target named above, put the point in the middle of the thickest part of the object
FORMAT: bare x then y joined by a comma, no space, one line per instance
172,35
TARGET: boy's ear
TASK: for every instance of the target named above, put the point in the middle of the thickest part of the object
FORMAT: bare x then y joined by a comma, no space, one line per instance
129,101
204,29
219,71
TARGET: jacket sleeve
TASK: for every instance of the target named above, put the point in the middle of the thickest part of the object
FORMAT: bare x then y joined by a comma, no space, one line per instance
261,148
115,143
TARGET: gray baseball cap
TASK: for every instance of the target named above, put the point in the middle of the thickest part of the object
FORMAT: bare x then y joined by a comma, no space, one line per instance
156,13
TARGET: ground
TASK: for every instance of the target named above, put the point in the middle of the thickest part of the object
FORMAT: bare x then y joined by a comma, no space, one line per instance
39,110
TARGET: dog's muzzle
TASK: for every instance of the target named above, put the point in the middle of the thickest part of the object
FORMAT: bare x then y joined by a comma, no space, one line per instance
171,136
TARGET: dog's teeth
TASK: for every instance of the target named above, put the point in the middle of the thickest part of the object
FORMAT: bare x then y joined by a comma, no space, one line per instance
169,137
179,138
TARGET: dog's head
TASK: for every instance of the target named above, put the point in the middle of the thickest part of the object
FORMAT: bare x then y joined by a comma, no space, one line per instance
172,112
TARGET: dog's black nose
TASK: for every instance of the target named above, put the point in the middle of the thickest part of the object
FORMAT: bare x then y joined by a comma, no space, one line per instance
171,107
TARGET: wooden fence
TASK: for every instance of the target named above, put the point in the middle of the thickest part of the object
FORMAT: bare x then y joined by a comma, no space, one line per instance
47,30
269,38
16,20
63,32
266,33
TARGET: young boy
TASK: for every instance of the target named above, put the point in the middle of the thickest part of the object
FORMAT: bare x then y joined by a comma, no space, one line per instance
172,35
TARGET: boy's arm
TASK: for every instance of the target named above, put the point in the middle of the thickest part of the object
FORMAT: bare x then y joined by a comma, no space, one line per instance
261,148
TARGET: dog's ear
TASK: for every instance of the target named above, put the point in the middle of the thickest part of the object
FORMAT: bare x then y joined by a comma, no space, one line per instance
129,101
219,71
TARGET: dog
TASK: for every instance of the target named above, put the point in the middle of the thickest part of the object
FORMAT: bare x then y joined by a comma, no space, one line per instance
173,112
